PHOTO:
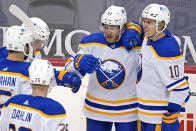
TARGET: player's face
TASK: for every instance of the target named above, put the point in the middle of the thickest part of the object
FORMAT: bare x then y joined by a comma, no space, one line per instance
149,27
111,32
38,45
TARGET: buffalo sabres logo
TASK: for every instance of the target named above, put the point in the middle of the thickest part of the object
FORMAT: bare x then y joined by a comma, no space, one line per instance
111,74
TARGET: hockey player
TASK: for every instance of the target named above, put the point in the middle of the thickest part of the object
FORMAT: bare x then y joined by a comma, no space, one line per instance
14,76
111,95
13,71
34,112
41,36
162,86
41,39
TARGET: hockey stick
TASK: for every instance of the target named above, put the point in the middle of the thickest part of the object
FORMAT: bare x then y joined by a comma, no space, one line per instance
22,16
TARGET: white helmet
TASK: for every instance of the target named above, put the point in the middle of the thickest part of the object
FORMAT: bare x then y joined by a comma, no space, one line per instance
41,72
114,15
16,38
158,13
41,29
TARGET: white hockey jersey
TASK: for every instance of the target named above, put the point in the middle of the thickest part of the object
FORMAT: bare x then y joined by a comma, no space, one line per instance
111,94
161,82
31,113
14,79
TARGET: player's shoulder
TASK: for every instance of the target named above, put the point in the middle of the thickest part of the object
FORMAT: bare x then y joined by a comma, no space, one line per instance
16,67
52,107
17,99
47,106
167,48
93,38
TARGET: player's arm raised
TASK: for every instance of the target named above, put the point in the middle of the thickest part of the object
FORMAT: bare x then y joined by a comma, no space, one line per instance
132,36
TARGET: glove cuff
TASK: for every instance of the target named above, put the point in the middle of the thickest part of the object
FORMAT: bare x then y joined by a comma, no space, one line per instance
134,26
61,74
171,117
77,59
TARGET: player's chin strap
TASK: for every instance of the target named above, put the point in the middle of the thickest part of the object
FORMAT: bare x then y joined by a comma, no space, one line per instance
120,34
158,32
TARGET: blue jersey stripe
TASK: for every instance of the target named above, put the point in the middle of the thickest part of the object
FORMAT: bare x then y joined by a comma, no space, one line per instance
6,93
106,107
149,107
176,82
187,88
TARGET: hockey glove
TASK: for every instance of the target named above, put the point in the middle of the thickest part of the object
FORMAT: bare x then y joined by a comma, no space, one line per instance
170,122
132,36
69,79
86,63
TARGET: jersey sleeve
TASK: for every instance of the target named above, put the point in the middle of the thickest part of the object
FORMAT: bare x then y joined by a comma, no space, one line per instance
55,115
52,124
69,65
171,73
63,126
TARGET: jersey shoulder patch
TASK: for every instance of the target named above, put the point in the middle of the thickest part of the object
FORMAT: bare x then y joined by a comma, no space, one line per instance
167,47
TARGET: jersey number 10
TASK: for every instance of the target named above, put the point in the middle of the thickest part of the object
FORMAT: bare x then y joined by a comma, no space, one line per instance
174,71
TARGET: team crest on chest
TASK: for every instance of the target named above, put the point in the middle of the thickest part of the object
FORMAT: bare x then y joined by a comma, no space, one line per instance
111,74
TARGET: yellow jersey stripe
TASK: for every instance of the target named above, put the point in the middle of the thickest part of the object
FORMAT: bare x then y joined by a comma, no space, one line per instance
109,113
88,44
111,102
139,125
151,101
137,47
150,114
158,127
38,111
183,84
103,45
16,74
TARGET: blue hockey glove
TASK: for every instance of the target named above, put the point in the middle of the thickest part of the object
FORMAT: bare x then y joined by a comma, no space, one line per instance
86,63
132,36
69,79
170,122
